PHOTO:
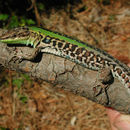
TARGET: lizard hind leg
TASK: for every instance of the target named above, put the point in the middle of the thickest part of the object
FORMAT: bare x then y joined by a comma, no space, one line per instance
105,76
104,79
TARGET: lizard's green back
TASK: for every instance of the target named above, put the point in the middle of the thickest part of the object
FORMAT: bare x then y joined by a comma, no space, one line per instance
59,36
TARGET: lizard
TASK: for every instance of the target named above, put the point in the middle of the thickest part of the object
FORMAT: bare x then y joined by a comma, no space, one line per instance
81,53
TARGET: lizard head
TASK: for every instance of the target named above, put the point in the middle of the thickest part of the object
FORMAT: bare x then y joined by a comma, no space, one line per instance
16,35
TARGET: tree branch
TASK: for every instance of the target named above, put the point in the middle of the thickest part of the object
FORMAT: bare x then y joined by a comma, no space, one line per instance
65,74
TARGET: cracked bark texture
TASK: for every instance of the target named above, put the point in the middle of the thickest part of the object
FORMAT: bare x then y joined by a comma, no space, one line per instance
65,74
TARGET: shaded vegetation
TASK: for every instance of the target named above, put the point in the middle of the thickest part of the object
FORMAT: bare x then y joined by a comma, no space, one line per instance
14,13
21,13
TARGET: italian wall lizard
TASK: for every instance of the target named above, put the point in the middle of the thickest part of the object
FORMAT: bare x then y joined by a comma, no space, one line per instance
66,47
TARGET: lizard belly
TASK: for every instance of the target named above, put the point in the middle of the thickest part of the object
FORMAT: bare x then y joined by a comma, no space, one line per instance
78,59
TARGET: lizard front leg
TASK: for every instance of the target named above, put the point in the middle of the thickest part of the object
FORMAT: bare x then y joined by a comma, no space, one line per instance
26,54
32,56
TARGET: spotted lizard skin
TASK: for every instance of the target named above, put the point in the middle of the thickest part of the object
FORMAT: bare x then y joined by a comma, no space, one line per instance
86,55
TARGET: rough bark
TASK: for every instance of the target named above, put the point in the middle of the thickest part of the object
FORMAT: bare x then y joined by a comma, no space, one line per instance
65,74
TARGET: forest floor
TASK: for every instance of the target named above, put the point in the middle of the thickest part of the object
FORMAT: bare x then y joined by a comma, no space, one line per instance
34,105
